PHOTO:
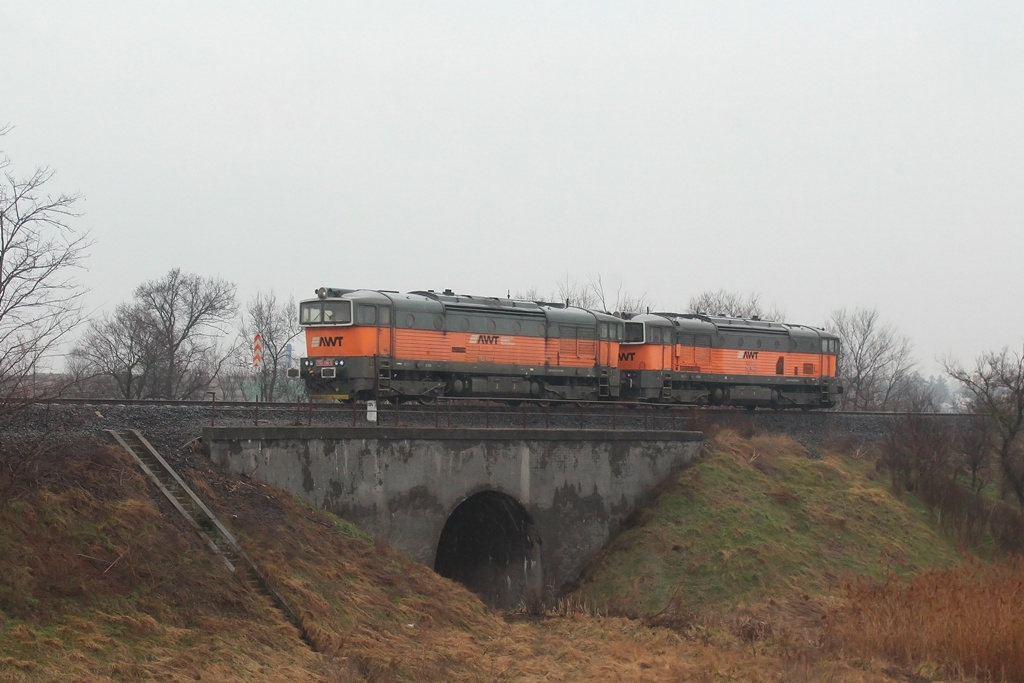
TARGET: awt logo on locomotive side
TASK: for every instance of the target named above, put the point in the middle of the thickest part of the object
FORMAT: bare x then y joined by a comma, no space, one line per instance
327,341
484,339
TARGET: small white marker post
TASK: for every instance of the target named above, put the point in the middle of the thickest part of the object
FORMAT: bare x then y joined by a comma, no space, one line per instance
371,411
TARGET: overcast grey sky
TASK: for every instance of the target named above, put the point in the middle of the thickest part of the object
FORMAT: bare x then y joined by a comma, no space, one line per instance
824,154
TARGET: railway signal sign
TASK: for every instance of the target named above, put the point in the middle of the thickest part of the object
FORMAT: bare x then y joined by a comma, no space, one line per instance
257,350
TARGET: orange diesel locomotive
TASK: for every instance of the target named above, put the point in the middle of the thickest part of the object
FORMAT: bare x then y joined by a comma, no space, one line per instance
671,357
364,343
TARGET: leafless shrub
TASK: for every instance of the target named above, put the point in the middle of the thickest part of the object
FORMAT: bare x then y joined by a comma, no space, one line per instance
875,361
734,304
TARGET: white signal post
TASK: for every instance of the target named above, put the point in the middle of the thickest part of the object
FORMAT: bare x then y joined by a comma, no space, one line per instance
257,350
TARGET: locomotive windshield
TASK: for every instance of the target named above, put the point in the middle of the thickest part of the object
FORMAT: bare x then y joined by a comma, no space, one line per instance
634,333
325,313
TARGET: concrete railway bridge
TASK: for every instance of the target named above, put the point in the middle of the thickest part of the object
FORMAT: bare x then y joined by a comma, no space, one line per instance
510,513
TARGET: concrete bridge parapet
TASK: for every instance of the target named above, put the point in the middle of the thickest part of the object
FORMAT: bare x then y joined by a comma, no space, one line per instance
504,511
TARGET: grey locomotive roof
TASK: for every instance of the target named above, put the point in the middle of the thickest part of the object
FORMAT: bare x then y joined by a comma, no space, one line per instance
700,323
432,302
695,323
363,296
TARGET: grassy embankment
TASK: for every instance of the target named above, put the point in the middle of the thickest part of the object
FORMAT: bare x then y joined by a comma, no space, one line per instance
737,572
762,542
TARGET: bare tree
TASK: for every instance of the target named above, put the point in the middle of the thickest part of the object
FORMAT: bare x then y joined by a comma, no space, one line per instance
189,314
975,447
531,294
593,295
625,302
733,304
122,349
39,297
277,325
923,395
572,292
875,362
996,388
165,343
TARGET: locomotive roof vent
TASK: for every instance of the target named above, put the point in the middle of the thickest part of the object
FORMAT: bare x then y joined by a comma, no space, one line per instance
449,292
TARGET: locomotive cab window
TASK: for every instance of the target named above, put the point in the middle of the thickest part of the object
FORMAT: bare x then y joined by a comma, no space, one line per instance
366,315
602,331
634,333
325,313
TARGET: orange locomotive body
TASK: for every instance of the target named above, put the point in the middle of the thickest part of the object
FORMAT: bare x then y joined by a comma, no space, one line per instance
379,344
670,357
364,344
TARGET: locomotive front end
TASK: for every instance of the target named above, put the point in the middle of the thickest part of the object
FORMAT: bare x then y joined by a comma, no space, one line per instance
337,366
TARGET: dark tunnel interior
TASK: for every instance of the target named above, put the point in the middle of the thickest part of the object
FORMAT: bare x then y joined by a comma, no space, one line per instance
490,545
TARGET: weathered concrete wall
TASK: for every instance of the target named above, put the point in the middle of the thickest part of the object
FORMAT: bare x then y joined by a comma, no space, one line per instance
402,484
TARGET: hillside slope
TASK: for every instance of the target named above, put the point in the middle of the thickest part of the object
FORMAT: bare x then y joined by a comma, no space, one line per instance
100,581
756,520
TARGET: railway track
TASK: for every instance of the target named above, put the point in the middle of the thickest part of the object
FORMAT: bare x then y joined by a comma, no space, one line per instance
474,405
173,425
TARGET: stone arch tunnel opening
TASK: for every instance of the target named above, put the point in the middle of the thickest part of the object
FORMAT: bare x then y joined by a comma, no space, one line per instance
490,545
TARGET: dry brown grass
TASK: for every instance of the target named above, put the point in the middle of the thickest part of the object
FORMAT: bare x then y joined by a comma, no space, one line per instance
99,583
965,622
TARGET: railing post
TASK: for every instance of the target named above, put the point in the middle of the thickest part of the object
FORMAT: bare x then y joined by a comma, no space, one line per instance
256,419
213,408
309,412
487,414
